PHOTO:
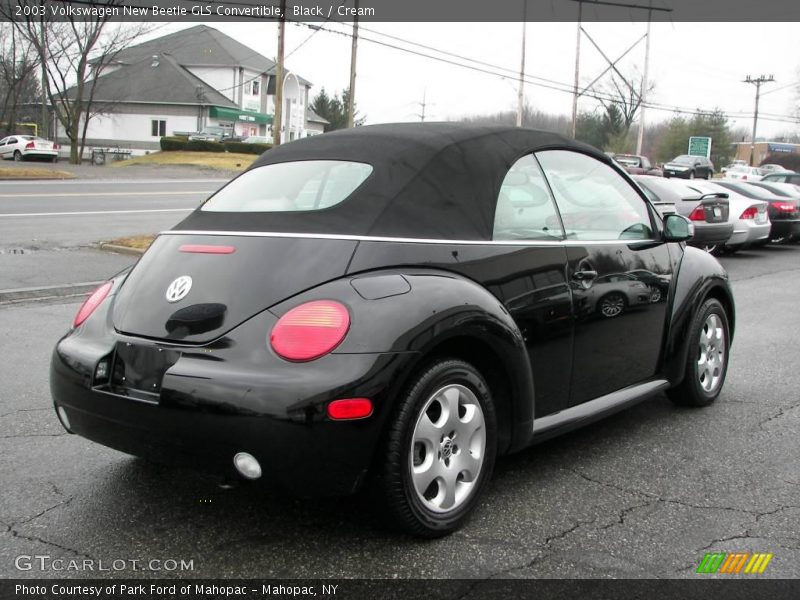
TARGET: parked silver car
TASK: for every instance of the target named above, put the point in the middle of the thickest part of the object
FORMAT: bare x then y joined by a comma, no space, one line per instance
709,212
750,217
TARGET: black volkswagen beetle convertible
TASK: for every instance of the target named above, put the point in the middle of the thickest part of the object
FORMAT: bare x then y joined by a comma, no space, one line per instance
398,304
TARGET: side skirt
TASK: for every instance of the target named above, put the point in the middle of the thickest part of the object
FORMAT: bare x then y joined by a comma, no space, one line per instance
577,416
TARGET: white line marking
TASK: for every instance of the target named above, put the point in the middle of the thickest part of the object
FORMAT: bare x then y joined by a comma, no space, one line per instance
38,182
85,194
96,212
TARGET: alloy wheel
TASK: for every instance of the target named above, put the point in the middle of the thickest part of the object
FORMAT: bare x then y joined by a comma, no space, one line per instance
711,353
612,306
448,448
655,294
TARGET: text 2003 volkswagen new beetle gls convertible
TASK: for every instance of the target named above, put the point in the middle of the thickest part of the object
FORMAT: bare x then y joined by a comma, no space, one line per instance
399,304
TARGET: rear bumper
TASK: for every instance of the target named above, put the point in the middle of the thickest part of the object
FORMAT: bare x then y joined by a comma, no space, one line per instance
214,404
706,234
50,153
782,228
748,232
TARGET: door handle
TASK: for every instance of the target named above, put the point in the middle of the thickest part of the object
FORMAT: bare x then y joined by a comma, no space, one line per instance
584,275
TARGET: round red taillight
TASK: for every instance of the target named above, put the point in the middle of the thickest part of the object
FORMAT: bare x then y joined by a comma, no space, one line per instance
91,303
310,330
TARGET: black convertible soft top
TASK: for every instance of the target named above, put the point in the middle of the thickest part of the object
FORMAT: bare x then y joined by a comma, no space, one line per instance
429,180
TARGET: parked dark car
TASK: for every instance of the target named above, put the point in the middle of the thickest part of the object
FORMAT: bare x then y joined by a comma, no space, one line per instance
689,167
709,212
214,134
782,177
637,165
784,212
427,309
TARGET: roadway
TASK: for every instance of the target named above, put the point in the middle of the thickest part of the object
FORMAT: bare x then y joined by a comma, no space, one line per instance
49,229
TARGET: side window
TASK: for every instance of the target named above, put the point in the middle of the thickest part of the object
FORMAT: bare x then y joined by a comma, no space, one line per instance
595,202
525,208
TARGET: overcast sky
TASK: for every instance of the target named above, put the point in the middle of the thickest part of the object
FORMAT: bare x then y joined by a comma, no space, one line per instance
693,65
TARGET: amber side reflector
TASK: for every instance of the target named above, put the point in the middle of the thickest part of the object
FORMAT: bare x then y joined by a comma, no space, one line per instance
205,249
351,408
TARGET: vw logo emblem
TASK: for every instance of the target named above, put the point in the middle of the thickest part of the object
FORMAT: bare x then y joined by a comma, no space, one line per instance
179,288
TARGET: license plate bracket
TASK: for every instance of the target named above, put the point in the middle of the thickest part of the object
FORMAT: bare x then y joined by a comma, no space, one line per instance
140,369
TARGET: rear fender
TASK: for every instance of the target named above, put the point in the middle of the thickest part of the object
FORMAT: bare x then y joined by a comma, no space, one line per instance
414,312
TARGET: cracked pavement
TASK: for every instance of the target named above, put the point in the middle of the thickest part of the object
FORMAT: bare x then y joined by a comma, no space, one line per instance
644,493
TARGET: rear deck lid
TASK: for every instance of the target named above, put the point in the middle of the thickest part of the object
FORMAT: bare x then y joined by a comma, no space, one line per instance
195,287
716,210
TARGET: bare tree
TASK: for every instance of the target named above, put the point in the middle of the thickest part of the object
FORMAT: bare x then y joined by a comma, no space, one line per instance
18,85
623,93
75,54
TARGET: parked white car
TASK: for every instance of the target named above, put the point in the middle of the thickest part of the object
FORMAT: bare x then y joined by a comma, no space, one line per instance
736,163
744,173
257,139
770,168
750,217
20,147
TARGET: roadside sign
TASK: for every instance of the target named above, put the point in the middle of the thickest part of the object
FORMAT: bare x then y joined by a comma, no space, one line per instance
700,146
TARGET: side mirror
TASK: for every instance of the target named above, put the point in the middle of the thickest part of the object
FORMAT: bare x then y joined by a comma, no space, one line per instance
677,228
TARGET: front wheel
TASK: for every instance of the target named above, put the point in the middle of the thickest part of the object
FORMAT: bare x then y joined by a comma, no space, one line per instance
655,294
440,449
691,174
612,305
707,360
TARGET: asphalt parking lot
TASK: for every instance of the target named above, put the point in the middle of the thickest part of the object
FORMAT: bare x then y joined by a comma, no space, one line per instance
644,493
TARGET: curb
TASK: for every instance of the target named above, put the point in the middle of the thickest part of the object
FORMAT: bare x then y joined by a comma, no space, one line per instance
121,249
47,292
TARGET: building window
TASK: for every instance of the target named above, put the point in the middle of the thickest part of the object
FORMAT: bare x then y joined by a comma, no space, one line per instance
158,128
256,90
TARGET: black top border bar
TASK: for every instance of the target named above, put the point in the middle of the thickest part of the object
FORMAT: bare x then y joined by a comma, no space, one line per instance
710,11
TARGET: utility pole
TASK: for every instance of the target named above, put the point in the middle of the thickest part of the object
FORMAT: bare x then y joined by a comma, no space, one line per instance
577,71
277,120
422,105
756,82
521,92
351,95
643,93
45,119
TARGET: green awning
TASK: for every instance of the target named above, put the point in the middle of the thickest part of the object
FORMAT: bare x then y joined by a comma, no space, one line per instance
242,116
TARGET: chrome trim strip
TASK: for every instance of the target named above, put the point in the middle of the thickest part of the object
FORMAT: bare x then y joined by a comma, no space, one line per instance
585,413
401,240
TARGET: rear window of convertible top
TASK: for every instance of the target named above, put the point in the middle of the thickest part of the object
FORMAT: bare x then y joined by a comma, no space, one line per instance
291,186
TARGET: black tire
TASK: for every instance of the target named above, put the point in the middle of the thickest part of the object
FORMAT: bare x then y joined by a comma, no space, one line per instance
618,299
18,156
655,294
54,159
691,392
710,175
691,175
405,506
